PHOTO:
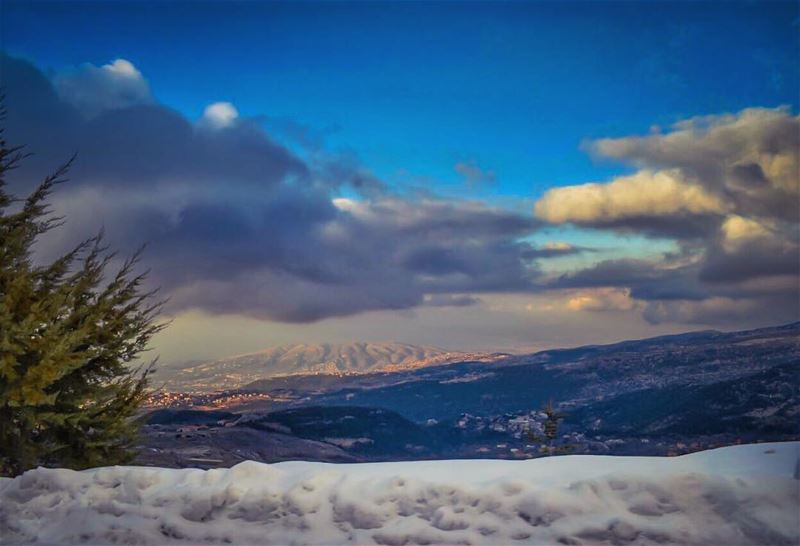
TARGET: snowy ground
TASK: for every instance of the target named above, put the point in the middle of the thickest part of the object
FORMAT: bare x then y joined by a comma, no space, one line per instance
737,495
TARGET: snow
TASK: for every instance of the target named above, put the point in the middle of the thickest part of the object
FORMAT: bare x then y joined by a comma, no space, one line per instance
737,495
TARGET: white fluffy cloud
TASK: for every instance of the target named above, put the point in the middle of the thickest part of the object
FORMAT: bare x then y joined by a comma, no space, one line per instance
219,115
122,68
95,89
744,164
643,194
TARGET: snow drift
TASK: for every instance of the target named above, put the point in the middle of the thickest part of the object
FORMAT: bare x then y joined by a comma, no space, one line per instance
736,495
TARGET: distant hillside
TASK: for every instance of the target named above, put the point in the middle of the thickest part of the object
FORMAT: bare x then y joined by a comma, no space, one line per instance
300,359
707,377
658,396
372,432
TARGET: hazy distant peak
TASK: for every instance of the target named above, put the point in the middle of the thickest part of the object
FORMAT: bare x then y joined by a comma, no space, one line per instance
300,358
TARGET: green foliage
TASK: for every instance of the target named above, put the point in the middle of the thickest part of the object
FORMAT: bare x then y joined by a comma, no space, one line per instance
552,421
550,442
68,338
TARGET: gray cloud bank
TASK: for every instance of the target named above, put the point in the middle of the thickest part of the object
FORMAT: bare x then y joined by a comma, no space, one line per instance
236,223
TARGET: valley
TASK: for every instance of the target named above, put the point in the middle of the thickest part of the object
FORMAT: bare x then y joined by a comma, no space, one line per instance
661,396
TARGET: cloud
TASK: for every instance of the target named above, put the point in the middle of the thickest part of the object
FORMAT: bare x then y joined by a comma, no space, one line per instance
695,292
452,246
645,279
743,164
716,310
237,223
555,249
749,159
310,138
137,146
219,115
300,257
657,202
473,174
738,231
602,299
94,89
450,300
726,189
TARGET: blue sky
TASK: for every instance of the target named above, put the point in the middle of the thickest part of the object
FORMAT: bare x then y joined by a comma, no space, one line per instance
414,88
504,111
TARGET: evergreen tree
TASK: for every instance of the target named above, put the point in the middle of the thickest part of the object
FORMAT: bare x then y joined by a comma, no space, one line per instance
69,336
552,422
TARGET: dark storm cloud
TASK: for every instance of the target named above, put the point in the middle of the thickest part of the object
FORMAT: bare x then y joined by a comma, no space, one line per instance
732,312
135,145
750,260
681,293
449,300
447,247
645,280
676,226
236,223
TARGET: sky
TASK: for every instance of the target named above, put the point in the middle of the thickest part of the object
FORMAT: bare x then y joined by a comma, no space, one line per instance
487,176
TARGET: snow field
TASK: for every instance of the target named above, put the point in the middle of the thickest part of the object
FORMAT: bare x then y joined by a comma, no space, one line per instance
737,495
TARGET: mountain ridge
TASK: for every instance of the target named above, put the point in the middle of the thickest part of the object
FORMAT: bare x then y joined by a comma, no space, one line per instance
311,359
659,396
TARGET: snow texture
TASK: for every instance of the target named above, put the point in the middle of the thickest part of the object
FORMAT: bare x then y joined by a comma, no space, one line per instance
736,495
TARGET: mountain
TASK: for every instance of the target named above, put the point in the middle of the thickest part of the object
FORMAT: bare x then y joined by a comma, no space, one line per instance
714,385
766,360
326,359
659,396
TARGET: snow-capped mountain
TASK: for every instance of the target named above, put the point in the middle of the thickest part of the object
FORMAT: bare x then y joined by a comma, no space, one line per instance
325,358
